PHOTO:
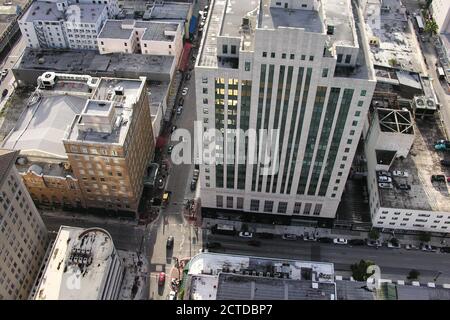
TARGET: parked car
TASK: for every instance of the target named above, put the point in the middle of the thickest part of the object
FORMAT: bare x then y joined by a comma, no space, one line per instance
289,236
188,76
4,93
196,174
325,240
160,183
173,129
438,178
172,295
161,279
193,184
445,163
356,242
213,245
309,238
393,245
206,8
4,73
445,249
384,173
411,247
374,243
254,243
385,185
340,241
179,110
185,91
384,179
245,234
398,173
169,149
404,186
426,247
169,243
181,102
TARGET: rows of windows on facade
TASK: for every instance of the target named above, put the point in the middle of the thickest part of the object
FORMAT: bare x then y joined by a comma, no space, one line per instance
23,235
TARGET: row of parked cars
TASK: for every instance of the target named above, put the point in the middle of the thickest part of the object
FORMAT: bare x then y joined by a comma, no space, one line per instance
386,181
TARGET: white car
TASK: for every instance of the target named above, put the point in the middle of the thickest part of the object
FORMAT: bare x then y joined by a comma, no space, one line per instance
384,179
172,295
185,91
340,241
385,185
245,234
398,173
179,110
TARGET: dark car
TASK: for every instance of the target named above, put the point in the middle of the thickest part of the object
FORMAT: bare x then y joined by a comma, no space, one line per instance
445,249
265,235
356,242
169,243
188,76
5,93
254,243
213,245
193,185
438,178
181,102
325,240
445,163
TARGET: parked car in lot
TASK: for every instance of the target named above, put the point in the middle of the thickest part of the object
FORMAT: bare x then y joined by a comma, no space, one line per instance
161,279
384,173
384,179
340,241
289,236
438,178
172,295
374,243
404,186
356,242
398,173
245,234
254,243
325,240
169,243
385,185
185,91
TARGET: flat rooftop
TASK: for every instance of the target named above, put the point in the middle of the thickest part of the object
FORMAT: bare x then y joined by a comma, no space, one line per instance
104,98
41,127
123,29
238,287
168,11
422,162
81,257
48,11
397,46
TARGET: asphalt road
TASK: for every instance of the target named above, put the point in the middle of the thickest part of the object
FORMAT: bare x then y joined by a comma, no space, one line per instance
8,63
396,262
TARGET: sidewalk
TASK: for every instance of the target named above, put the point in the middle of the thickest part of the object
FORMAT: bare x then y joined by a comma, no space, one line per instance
320,232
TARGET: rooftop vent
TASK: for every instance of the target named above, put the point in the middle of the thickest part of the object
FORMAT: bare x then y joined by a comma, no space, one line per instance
330,29
118,91
245,22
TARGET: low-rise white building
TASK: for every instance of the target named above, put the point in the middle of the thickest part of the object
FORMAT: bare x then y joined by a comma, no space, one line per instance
83,265
130,36
406,198
61,25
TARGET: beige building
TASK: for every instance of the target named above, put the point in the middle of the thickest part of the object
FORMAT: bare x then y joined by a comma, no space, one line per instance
85,141
23,236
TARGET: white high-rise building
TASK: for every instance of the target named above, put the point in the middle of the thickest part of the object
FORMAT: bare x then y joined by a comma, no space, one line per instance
64,25
300,67
23,235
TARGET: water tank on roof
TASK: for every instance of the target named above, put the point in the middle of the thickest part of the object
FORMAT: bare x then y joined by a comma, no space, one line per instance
35,168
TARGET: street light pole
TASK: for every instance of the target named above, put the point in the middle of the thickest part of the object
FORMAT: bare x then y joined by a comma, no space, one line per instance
437,276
